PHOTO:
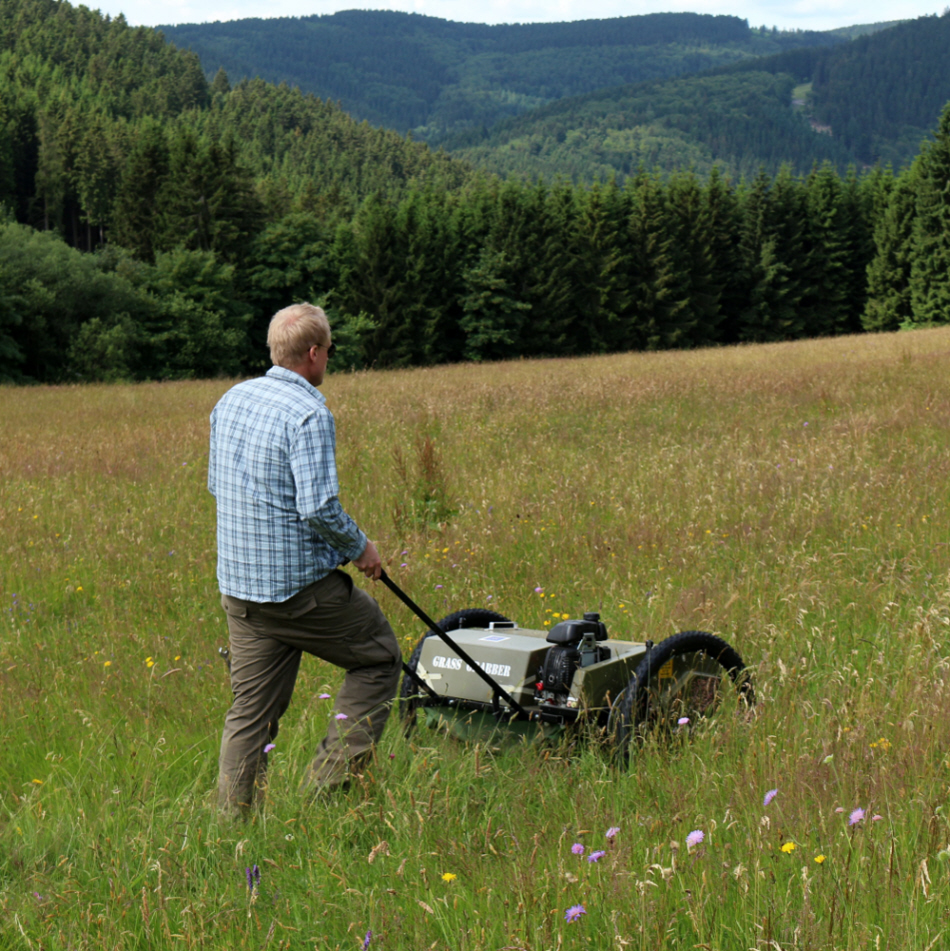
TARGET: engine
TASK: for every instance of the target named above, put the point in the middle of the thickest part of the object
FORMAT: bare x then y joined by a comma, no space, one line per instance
574,644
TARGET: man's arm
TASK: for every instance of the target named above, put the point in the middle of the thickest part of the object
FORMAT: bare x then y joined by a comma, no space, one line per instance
313,463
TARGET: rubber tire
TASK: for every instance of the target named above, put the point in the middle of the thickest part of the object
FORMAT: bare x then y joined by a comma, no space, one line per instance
457,621
630,718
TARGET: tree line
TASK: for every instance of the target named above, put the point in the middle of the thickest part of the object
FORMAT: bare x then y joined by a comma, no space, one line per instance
495,270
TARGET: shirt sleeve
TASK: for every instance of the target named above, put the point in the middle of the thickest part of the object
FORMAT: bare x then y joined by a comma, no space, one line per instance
313,464
212,482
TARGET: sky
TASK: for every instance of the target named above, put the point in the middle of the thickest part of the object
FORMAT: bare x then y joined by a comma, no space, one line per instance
785,14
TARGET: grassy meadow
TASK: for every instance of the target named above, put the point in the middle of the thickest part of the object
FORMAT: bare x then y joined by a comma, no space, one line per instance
793,498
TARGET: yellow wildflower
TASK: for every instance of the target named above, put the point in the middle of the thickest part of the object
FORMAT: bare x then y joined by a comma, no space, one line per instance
449,877
108,663
819,859
788,848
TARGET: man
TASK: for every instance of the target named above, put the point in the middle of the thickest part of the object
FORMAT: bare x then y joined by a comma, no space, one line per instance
282,535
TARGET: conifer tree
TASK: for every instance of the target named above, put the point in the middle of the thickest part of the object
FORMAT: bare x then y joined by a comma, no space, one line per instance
724,218
659,315
888,304
493,319
771,260
691,228
825,274
137,214
930,248
600,289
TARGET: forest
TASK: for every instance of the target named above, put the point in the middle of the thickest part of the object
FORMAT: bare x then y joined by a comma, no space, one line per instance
435,77
878,95
153,222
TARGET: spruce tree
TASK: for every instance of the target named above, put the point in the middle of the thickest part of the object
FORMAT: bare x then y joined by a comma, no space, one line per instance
930,248
826,275
888,304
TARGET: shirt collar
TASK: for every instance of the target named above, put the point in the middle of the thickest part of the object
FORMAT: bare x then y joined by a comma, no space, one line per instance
288,376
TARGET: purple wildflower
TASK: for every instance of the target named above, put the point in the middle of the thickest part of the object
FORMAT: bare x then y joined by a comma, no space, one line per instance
856,816
366,940
250,878
612,832
324,696
404,565
876,818
577,848
341,716
596,856
682,721
574,913
694,838
269,747
257,875
437,587
769,796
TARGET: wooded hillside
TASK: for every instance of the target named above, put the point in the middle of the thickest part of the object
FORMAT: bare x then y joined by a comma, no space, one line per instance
435,77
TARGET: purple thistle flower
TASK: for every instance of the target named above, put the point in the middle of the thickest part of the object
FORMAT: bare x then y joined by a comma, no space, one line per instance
341,716
769,796
366,940
269,747
574,913
856,816
596,856
612,832
577,848
694,838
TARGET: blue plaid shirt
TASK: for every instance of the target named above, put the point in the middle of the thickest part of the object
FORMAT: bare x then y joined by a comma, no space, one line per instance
272,470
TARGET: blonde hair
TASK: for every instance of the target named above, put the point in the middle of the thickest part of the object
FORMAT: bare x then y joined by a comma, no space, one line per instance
293,331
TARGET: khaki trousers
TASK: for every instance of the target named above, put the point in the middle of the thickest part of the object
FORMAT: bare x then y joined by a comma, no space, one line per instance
335,621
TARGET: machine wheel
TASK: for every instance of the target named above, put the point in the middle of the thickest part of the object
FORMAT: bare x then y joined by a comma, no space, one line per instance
680,677
409,691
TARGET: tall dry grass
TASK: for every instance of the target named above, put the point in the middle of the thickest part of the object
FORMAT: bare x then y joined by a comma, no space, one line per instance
793,498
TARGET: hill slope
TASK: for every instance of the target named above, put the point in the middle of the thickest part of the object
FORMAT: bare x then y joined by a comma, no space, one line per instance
435,77
91,108
879,96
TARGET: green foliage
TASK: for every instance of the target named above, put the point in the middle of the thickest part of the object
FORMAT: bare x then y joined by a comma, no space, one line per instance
740,122
436,77
880,93
11,356
492,319
930,250
58,289
889,299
